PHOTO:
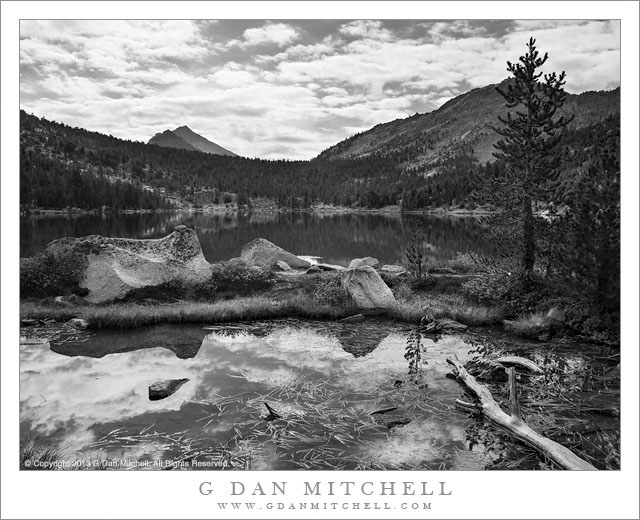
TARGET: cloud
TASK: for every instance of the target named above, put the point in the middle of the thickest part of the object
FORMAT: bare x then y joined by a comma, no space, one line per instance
278,33
366,29
289,89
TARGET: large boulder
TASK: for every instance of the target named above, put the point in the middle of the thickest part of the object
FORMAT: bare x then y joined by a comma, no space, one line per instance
364,262
263,253
111,268
366,289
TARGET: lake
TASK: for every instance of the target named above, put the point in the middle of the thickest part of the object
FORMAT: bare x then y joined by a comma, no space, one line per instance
336,238
342,393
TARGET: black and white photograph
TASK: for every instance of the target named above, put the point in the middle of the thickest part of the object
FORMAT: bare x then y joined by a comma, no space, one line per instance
382,245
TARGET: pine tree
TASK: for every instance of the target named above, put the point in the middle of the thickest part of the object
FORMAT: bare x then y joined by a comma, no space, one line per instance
590,226
529,137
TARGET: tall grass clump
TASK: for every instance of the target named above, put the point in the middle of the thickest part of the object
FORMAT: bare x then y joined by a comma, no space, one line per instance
529,326
34,457
454,307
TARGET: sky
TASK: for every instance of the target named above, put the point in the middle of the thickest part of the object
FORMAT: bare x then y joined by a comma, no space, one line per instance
285,88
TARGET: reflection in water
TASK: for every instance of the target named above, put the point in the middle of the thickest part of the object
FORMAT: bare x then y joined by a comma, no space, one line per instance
183,341
322,383
74,400
335,238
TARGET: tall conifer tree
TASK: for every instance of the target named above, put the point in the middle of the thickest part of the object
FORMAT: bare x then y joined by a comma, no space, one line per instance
529,136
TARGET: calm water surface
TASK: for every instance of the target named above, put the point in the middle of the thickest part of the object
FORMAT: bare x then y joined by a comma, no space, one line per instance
335,238
89,398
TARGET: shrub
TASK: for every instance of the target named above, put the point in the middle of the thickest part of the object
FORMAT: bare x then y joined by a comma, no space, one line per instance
229,278
489,289
402,292
329,291
238,278
415,256
466,263
421,283
46,275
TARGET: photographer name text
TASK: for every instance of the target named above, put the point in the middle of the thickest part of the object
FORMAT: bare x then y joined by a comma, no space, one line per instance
328,488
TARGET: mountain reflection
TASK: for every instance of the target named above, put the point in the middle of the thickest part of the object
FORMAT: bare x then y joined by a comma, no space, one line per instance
183,341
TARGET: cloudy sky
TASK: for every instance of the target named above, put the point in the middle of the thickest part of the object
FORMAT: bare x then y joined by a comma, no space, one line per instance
284,88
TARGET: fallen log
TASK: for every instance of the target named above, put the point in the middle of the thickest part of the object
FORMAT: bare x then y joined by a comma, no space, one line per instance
521,362
513,424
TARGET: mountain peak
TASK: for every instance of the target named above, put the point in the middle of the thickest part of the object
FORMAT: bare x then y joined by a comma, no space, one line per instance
169,139
185,138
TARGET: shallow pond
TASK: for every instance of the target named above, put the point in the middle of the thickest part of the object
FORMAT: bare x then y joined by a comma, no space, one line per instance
87,396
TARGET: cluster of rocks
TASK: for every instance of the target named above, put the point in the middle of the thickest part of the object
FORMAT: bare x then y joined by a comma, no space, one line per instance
360,279
111,268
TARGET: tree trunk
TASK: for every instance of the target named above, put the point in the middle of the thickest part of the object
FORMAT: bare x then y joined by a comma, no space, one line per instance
528,254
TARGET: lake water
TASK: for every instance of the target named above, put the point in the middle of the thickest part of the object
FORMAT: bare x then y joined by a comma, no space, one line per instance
86,396
336,238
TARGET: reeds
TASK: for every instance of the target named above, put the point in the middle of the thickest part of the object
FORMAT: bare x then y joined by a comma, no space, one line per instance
33,457
455,307
528,326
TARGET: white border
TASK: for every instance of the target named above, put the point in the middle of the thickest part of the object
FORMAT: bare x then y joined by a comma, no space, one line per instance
175,494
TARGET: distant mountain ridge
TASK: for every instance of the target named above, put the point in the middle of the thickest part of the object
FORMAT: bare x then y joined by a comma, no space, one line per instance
186,139
424,161
461,126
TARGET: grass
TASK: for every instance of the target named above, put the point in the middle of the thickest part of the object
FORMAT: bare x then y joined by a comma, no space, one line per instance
529,326
34,457
129,315
48,458
454,306
462,263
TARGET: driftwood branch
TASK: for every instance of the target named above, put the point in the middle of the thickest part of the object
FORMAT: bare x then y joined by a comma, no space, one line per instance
525,363
514,425
471,407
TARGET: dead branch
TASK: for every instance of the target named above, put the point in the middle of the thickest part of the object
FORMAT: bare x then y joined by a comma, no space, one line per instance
513,394
514,425
521,362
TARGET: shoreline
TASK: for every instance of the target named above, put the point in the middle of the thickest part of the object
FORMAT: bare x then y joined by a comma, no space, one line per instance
322,210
